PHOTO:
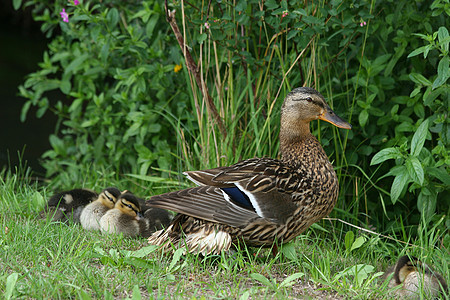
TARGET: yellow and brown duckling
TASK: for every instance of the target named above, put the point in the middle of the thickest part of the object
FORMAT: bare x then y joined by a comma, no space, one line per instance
412,279
259,200
93,212
126,217
68,205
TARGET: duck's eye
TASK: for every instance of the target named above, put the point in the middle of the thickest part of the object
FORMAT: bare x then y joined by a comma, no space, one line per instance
309,99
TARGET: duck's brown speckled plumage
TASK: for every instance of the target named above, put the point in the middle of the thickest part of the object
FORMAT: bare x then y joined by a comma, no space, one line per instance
280,198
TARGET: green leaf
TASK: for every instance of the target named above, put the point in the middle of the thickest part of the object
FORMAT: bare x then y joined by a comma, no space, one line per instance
83,295
289,251
443,37
10,285
419,110
426,202
415,92
65,86
144,251
363,117
154,128
151,25
262,279
430,95
290,279
415,169
37,200
360,272
89,123
136,293
23,113
245,295
241,5
348,240
76,63
418,51
385,154
399,183
175,258
132,131
419,138
113,17
201,38
271,4
358,243
419,79
17,4
292,33
443,72
439,173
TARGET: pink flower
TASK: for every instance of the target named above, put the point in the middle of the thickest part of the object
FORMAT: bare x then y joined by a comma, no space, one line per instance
76,2
64,16
207,25
362,23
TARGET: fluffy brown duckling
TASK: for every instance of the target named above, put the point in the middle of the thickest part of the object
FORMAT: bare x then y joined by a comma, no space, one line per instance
125,217
415,279
93,212
157,218
131,217
68,205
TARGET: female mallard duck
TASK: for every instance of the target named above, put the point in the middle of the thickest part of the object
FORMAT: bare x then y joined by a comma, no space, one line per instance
414,279
68,204
125,217
92,213
259,200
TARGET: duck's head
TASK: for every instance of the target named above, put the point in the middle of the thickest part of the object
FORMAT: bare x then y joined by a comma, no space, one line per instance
303,105
108,197
404,267
129,204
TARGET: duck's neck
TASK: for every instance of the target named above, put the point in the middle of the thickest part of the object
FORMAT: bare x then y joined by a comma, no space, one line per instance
293,137
298,146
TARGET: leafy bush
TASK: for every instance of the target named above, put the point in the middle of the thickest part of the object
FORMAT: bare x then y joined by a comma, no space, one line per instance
125,106
113,68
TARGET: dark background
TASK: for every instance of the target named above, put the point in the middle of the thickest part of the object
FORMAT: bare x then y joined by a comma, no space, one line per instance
21,49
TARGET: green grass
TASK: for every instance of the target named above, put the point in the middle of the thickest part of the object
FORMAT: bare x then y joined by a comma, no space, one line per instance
41,259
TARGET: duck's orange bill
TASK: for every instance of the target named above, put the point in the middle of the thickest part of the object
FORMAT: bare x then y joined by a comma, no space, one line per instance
334,119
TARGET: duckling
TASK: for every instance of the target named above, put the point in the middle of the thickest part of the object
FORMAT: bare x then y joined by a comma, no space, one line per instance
410,274
68,204
258,200
92,213
125,217
158,219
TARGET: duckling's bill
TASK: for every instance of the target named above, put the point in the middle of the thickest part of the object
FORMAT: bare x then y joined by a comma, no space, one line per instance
330,116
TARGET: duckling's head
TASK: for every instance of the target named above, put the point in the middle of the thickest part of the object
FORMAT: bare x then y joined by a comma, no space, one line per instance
303,105
404,267
129,205
108,197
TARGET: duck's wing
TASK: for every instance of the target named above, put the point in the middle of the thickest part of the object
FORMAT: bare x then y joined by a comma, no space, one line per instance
234,195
